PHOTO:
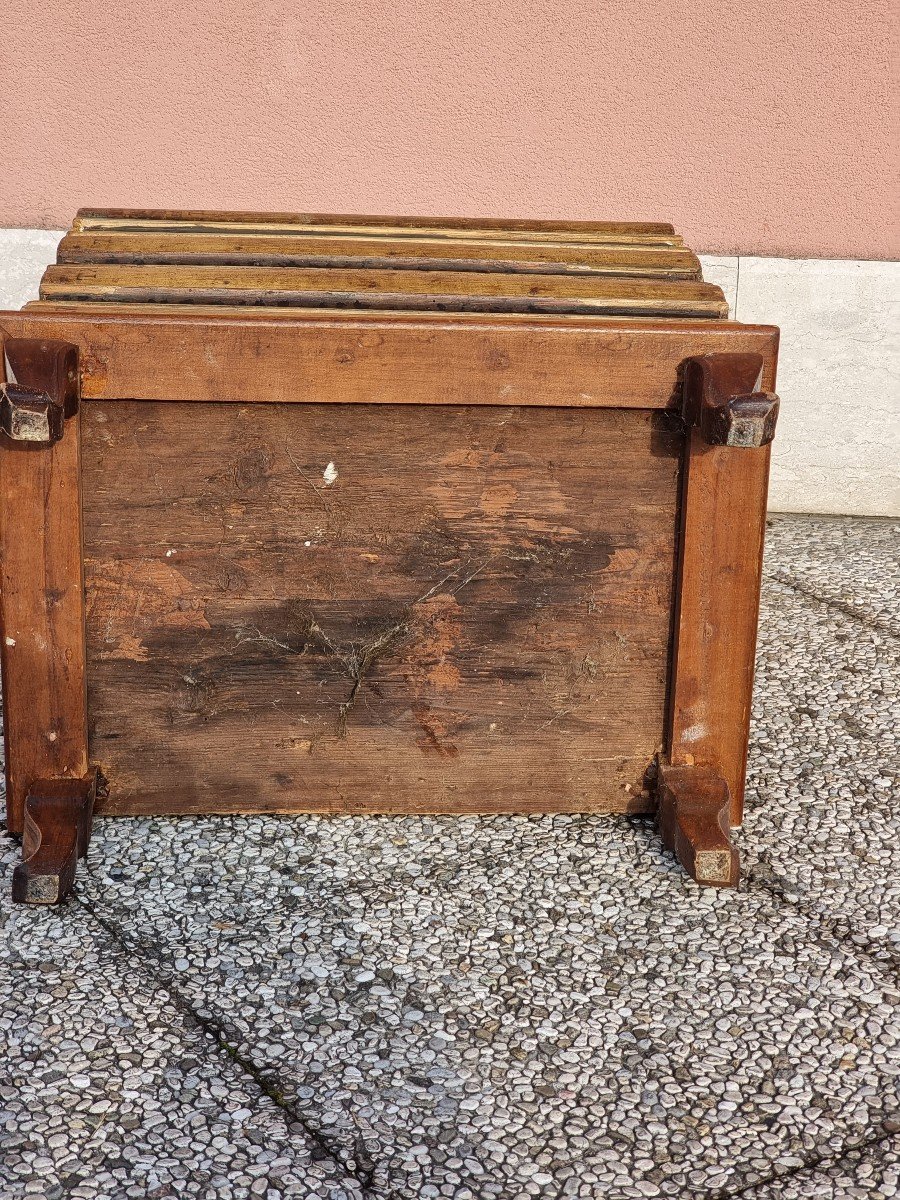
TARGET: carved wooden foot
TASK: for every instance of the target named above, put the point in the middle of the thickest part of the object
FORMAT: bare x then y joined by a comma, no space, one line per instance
57,830
693,819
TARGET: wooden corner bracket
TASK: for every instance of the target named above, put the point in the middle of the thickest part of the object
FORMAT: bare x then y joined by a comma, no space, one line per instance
40,390
731,421
58,817
42,618
721,399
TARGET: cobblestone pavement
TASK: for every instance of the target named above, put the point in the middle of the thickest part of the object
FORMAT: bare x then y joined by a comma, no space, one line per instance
404,1009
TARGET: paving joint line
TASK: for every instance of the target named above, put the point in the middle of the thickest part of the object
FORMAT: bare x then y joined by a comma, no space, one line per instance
841,606
821,926
216,1031
825,926
858,1148
774,886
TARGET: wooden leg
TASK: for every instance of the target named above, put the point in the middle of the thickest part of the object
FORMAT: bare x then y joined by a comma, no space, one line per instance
41,573
58,818
694,805
723,514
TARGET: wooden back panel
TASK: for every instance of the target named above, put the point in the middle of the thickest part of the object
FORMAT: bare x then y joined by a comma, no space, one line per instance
527,466
331,607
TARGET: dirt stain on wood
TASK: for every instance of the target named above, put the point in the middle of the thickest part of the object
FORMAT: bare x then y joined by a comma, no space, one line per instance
473,617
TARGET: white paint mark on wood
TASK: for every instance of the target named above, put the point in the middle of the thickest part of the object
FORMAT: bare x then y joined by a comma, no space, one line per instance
694,733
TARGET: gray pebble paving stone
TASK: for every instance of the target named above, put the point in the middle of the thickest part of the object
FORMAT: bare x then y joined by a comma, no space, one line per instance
511,1005
506,1007
849,563
822,820
870,1173
108,1090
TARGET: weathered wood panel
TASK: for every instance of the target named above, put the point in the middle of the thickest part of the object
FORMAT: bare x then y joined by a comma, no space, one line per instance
343,250
617,232
427,290
400,608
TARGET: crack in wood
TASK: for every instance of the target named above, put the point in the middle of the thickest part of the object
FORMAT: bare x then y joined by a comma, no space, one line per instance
360,658
358,665
306,479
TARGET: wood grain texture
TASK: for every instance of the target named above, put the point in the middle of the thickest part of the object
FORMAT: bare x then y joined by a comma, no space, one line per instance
405,561
41,615
347,608
723,513
365,358
617,232
413,252
447,291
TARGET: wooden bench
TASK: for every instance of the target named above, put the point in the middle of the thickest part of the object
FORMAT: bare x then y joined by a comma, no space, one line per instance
378,515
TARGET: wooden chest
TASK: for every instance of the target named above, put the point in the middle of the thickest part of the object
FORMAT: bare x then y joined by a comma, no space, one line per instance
355,514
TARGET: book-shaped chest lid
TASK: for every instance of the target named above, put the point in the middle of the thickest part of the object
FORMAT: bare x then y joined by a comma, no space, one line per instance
313,261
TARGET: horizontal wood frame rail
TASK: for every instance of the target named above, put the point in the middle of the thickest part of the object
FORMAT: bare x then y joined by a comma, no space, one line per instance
329,357
384,289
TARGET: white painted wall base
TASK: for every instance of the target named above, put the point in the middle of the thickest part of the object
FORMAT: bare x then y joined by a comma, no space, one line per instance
837,449
24,253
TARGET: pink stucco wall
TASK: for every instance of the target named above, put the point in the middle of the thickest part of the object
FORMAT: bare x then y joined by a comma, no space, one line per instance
764,127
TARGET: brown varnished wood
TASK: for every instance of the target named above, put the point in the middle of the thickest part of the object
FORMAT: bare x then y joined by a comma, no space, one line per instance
247,357
723,510
41,602
57,830
453,291
409,253
694,806
463,561
472,616
618,232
